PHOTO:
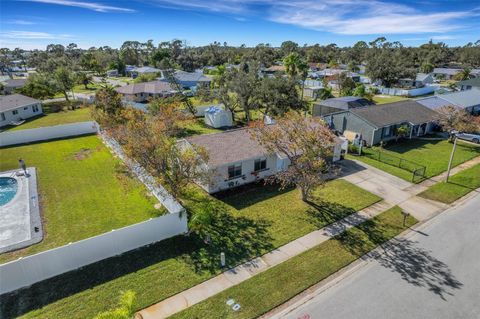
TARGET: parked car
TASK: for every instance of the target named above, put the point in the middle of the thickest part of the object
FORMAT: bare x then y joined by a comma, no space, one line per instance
472,137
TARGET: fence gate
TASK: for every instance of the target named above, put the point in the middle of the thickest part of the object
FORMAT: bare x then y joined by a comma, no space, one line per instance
418,174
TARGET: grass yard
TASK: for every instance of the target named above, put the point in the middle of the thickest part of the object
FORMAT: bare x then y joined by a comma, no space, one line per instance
197,127
253,221
273,287
83,191
432,154
56,113
382,99
458,186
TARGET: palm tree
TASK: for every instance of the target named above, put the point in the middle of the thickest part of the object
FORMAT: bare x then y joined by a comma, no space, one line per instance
291,63
463,75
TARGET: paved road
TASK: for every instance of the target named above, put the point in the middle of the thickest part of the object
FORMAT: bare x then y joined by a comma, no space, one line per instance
433,274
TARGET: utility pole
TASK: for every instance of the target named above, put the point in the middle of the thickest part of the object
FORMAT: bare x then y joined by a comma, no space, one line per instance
451,158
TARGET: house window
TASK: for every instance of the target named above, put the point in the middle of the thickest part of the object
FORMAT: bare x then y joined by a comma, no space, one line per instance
2,116
25,108
15,112
260,164
234,171
35,108
387,131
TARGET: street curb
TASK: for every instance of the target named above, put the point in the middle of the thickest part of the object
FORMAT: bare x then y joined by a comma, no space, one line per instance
363,261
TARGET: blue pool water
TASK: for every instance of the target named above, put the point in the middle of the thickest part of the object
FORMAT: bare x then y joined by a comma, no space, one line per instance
8,189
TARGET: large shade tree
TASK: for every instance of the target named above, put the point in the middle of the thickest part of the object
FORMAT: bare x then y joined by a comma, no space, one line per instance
308,144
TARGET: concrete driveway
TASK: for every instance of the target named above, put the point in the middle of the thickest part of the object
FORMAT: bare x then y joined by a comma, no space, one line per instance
434,273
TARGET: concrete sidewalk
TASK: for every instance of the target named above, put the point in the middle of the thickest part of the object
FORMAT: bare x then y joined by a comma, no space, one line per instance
394,191
245,271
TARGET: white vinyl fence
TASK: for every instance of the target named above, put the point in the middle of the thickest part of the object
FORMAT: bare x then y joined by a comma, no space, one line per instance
28,270
47,133
404,92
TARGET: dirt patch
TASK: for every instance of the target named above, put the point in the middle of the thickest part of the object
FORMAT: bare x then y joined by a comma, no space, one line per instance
82,154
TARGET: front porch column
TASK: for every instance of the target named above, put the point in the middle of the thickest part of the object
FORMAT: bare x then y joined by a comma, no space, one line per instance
411,131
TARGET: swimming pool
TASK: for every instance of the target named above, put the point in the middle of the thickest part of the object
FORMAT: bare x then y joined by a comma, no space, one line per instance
8,189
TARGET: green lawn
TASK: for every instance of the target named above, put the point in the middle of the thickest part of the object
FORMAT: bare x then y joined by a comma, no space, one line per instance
56,118
83,191
458,186
382,99
250,223
273,287
432,154
197,127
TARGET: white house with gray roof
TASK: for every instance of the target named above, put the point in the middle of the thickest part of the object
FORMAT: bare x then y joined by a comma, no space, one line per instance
15,108
468,100
235,158
141,92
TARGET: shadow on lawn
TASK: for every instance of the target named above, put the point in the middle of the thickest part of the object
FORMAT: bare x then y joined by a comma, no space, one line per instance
414,264
322,213
250,194
243,239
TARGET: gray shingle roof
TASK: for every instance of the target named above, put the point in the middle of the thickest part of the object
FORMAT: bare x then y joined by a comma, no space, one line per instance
228,147
472,82
153,87
191,77
15,101
433,102
465,98
394,113
345,102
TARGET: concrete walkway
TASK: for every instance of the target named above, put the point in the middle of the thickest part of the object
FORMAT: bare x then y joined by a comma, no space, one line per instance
394,190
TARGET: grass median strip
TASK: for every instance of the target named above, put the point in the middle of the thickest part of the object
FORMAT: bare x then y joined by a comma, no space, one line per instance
458,186
273,287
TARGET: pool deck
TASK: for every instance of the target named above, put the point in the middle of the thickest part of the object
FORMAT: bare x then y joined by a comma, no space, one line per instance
20,216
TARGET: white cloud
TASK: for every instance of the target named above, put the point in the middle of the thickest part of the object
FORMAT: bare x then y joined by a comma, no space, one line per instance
353,17
98,7
20,22
32,35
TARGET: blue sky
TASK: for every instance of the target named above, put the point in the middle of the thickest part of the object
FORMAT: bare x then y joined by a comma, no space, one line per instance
35,23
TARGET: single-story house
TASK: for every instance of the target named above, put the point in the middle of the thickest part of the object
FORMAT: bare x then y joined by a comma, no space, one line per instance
112,73
235,158
468,100
421,80
143,70
378,123
141,92
312,91
339,104
449,73
191,80
273,70
15,108
469,84
10,85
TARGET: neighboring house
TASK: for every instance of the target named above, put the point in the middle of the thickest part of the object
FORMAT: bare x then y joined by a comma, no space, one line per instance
449,73
421,80
235,158
141,92
112,73
191,80
379,123
16,107
10,85
339,104
134,72
468,100
469,84
273,70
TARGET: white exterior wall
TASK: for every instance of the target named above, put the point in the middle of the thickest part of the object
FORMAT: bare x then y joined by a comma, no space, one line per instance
26,271
24,113
47,133
220,174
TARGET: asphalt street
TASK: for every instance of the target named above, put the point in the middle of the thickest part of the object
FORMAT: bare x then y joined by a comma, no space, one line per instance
433,274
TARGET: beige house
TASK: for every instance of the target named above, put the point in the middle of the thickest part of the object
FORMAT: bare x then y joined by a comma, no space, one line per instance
141,92
236,159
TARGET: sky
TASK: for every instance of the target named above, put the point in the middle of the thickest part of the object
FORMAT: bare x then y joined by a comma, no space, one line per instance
33,24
